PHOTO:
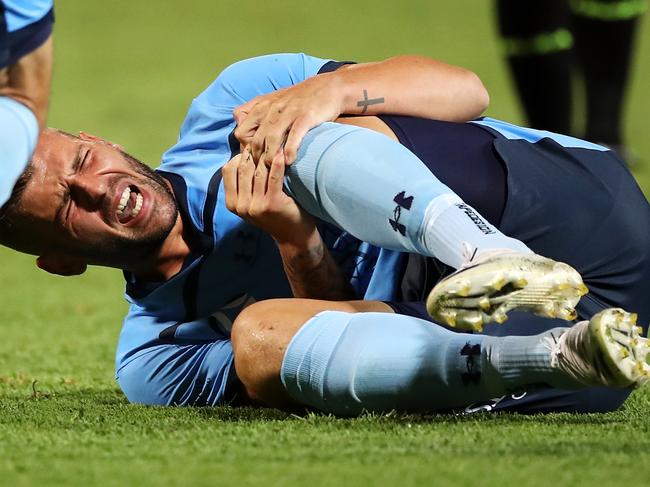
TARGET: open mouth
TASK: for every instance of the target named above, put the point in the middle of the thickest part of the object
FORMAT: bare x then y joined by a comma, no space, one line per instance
129,205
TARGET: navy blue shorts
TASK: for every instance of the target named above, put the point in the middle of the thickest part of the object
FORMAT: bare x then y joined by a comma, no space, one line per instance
575,205
4,41
16,44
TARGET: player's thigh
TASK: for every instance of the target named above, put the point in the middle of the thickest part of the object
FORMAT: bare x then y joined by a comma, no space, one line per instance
196,374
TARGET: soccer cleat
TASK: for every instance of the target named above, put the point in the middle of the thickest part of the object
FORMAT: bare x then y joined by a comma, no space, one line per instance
606,351
487,290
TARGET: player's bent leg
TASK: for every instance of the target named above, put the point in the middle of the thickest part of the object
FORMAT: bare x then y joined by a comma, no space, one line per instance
345,362
380,192
489,287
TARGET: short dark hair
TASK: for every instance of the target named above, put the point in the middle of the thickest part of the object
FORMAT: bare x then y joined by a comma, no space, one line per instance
9,208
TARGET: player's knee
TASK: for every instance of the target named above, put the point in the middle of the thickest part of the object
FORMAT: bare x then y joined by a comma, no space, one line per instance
253,340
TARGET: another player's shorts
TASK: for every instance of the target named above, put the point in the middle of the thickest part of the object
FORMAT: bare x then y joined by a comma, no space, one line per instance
24,26
567,199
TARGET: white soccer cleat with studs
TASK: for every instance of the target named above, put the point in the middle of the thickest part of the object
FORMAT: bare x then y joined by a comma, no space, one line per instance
606,351
487,289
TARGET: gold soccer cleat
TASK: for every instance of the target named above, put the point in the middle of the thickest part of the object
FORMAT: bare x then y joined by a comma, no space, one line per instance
486,290
606,351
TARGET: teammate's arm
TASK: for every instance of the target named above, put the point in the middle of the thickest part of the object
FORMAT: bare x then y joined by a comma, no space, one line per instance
28,80
255,194
404,85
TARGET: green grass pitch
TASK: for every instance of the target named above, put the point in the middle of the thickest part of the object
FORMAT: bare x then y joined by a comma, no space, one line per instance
127,70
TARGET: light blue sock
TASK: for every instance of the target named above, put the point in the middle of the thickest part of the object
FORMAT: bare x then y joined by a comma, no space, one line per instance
345,363
18,135
380,192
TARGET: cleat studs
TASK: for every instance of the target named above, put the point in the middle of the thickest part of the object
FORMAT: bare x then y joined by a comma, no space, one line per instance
497,282
473,321
484,303
500,317
568,314
464,287
548,308
633,318
449,317
582,289
521,283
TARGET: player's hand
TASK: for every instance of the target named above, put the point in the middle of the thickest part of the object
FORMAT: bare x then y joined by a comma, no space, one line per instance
255,194
274,125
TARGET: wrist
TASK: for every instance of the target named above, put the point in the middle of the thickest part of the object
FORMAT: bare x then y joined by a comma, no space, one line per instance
299,242
339,90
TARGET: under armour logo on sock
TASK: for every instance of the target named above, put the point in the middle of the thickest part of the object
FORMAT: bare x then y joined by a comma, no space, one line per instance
402,201
472,375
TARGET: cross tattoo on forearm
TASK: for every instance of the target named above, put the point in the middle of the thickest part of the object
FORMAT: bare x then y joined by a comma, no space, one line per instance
365,103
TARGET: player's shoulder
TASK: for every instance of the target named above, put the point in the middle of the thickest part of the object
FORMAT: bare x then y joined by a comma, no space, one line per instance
243,80
300,64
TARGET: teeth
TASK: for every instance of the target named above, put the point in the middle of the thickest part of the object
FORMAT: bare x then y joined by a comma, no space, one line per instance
138,205
126,194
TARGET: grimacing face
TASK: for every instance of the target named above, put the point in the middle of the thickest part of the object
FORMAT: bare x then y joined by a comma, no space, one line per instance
86,198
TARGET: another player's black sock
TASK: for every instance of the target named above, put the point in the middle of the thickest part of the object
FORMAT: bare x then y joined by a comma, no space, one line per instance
537,43
604,32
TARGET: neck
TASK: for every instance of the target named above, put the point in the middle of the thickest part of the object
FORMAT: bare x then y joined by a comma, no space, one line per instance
166,261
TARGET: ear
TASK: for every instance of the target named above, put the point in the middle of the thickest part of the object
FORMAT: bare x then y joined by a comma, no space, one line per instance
99,140
61,265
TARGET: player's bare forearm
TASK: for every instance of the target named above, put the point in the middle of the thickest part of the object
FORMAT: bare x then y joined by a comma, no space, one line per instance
273,125
313,273
411,85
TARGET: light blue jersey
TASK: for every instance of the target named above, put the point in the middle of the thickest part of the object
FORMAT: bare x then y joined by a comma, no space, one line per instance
175,343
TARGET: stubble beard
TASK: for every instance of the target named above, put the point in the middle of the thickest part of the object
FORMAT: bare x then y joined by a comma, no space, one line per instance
139,244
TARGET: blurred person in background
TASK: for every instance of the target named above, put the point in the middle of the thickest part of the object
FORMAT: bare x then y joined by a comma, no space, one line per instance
547,42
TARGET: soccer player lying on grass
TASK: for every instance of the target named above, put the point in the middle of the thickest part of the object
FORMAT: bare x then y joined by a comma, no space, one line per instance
192,266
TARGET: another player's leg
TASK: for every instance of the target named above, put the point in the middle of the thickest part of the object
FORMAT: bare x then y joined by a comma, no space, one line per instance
537,44
345,363
380,192
604,32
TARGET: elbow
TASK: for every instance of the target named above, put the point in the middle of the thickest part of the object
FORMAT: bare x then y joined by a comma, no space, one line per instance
479,96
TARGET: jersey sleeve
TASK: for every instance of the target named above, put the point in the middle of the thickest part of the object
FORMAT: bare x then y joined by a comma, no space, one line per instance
18,135
244,80
161,361
206,141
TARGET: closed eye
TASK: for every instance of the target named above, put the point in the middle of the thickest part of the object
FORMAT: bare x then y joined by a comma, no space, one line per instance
63,212
80,161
